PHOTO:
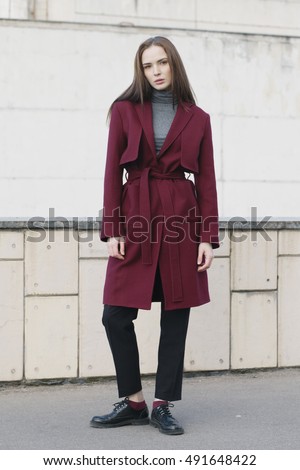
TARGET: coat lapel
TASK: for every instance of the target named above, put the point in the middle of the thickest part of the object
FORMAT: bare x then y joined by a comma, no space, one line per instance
145,115
180,120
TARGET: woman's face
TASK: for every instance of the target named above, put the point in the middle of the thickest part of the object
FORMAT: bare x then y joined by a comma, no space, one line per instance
156,67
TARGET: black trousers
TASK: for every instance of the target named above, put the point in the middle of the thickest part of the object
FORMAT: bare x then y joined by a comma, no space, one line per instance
118,322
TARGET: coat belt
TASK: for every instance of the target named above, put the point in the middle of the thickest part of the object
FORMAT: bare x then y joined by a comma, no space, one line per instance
145,212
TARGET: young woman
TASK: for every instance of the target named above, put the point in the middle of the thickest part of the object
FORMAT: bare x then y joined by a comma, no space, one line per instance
160,227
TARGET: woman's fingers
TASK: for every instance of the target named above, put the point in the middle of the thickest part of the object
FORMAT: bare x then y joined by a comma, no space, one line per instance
122,248
116,247
205,265
205,256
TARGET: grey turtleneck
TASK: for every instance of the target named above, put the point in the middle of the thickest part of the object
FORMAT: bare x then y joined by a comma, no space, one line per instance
163,114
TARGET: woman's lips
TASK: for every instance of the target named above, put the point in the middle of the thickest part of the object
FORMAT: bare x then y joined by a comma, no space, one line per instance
159,81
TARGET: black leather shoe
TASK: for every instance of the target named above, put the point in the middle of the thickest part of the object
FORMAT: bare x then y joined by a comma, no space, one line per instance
162,419
121,415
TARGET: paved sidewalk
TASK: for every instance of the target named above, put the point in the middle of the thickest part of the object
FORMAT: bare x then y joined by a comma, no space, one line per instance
255,410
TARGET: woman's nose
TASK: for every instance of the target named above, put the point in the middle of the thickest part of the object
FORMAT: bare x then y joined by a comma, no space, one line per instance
156,70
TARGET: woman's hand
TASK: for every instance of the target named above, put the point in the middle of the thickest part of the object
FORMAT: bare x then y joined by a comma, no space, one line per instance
205,256
113,244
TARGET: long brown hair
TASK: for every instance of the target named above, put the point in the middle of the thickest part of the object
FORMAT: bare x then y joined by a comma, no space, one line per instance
140,90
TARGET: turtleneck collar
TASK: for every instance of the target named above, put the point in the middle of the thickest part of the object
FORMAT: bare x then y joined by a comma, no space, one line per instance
162,96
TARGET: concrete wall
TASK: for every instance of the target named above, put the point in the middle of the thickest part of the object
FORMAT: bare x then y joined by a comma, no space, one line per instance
279,17
63,63
51,283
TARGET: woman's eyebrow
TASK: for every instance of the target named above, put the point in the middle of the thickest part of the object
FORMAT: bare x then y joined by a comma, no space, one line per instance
159,60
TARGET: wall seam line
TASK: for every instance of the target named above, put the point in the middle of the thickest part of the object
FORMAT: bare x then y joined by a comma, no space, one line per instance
78,306
24,305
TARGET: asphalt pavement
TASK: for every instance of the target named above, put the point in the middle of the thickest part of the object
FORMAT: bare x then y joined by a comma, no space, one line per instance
253,410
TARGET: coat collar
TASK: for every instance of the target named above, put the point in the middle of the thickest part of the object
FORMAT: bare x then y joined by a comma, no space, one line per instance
182,117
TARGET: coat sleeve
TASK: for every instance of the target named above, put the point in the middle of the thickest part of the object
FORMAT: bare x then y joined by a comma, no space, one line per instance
205,182
112,225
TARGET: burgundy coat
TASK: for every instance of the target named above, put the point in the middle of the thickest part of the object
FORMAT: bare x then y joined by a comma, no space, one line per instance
162,214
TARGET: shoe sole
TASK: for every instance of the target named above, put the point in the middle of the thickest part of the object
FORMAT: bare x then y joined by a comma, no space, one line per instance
133,422
170,432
